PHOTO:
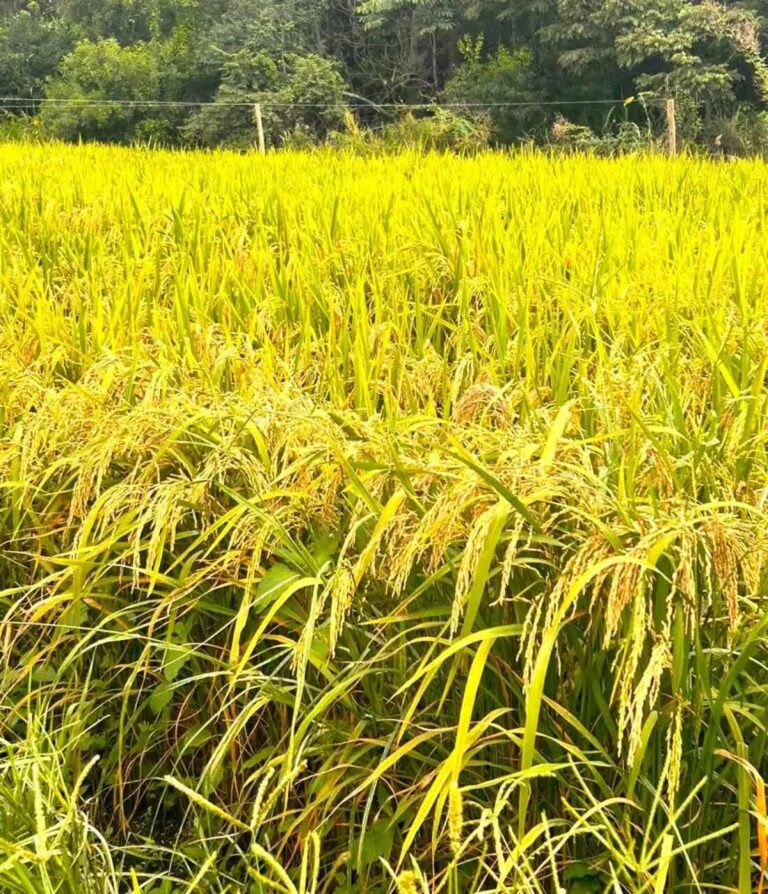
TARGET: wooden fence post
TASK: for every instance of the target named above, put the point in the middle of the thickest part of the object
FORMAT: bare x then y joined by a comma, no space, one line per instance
671,128
259,127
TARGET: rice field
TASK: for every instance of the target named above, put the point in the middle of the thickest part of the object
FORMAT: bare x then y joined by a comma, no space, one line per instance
382,525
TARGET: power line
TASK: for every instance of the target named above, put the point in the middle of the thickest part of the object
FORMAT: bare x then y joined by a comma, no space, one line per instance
396,106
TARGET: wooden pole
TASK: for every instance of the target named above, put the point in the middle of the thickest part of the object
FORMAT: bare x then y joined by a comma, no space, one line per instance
671,128
259,128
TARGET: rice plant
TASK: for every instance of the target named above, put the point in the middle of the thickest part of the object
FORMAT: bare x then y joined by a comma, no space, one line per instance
382,525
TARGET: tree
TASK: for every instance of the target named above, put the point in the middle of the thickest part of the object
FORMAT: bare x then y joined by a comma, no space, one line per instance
699,52
31,46
707,53
418,31
127,21
278,27
80,99
301,93
504,84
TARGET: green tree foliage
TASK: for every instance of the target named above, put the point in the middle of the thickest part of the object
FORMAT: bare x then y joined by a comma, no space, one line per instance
704,53
81,98
32,45
554,54
672,47
505,77
128,21
298,95
420,29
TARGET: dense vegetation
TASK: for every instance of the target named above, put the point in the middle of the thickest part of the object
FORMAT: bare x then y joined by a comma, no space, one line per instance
311,61
382,524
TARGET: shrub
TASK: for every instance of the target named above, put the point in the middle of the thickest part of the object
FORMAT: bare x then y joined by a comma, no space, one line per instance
506,77
744,133
78,99
442,130
626,136
306,95
19,128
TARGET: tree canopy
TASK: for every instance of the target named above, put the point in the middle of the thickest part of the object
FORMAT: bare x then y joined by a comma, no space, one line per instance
192,69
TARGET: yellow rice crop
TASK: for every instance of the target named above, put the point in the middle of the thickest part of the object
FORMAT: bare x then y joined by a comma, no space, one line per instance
408,513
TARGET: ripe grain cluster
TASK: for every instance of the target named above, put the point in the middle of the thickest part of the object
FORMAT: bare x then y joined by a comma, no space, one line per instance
374,525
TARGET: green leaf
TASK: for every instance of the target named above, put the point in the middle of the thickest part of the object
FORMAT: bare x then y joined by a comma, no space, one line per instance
377,842
161,698
175,659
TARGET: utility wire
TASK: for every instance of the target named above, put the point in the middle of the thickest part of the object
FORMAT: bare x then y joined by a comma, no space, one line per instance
151,103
